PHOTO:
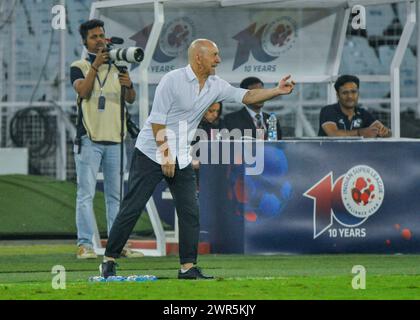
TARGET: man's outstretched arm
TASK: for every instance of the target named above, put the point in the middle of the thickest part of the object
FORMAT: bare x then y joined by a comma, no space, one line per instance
260,95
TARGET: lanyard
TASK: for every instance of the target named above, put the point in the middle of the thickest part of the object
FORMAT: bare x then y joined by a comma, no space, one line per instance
102,85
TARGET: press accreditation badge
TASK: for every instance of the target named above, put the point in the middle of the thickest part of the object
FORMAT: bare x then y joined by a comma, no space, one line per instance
101,103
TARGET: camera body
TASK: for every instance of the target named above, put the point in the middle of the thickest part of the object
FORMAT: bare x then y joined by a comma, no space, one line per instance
132,127
129,55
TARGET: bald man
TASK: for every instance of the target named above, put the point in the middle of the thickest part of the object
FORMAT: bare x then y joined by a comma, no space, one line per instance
162,150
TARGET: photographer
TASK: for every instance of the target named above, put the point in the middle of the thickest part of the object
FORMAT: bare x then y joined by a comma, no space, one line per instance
98,84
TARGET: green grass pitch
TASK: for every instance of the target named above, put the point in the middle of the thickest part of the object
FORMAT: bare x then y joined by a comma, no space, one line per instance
25,273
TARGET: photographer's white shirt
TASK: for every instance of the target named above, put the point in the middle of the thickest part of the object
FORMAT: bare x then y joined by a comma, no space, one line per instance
180,106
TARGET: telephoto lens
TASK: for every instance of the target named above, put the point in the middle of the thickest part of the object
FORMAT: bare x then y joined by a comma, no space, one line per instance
130,54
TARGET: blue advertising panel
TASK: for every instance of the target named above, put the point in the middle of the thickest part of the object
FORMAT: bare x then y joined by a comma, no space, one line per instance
316,197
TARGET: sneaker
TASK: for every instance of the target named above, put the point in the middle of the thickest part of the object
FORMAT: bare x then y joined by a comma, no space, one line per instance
128,253
108,269
193,273
86,252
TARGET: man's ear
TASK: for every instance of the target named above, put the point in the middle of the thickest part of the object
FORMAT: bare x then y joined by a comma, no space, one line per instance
198,59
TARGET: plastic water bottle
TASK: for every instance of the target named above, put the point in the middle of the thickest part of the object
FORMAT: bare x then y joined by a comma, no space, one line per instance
141,278
272,128
134,278
97,279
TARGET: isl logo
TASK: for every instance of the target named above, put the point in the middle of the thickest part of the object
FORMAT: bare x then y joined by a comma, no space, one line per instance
267,42
279,36
174,40
176,36
350,200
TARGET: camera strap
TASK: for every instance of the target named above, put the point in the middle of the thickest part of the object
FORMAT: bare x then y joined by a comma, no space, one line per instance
102,84
79,126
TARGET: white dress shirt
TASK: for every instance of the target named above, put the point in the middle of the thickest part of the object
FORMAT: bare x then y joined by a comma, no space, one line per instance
180,105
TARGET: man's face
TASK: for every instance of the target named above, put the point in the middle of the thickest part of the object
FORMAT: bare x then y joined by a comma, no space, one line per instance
213,112
95,39
258,85
210,59
348,95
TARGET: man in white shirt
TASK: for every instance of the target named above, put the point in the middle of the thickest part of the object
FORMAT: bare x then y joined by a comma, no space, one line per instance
162,150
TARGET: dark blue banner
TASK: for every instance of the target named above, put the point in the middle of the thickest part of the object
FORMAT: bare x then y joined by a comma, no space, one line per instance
316,197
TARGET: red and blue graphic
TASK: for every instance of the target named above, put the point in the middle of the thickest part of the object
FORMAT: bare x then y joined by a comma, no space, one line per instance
354,197
261,196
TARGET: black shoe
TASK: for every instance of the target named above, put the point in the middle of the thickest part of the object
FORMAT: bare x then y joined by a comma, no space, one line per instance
193,273
107,269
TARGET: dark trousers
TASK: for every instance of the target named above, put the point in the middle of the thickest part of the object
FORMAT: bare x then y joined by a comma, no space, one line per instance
145,174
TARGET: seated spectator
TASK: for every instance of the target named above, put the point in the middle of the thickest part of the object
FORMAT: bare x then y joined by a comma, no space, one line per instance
345,118
211,123
251,116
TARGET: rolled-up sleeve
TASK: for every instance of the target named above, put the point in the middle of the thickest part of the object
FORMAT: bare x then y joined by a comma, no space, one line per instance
162,102
230,93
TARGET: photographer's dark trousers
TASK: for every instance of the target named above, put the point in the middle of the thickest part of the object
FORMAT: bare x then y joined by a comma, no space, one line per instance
145,174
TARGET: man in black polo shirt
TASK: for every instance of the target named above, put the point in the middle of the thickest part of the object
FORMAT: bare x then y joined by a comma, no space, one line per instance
345,118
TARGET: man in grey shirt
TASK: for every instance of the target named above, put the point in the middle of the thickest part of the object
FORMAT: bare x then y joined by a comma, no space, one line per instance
162,150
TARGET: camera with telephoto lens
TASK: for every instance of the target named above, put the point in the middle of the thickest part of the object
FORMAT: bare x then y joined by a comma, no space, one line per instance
130,54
